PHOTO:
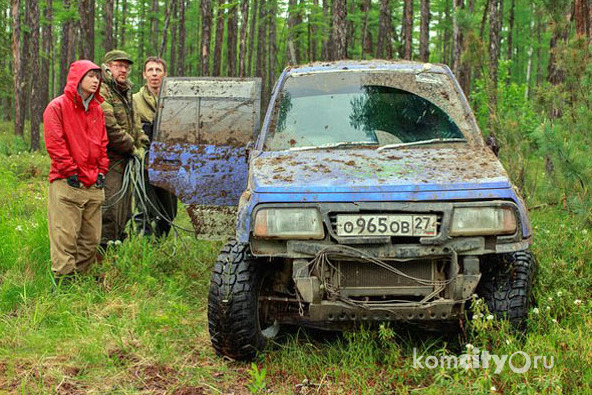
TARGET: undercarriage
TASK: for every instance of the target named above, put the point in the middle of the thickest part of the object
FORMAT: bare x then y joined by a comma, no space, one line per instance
342,285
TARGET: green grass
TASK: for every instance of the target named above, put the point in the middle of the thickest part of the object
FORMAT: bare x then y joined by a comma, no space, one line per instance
137,323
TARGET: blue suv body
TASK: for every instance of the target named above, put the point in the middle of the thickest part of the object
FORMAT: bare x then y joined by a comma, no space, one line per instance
368,196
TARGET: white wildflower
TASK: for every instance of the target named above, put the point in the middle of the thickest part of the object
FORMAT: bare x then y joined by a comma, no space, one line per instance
577,302
555,321
493,389
508,341
19,228
489,317
547,308
550,299
535,310
559,294
469,346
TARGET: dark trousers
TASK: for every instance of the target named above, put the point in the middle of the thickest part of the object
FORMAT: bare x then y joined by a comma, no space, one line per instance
117,206
157,214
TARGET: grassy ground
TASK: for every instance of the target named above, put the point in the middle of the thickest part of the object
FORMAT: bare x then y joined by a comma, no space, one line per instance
137,323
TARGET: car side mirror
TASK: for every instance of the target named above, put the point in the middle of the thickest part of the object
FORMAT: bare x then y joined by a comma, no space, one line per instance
493,144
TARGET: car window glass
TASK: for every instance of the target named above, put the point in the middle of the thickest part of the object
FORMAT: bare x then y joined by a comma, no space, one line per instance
323,110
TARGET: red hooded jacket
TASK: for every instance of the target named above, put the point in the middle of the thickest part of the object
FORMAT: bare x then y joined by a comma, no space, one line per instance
76,140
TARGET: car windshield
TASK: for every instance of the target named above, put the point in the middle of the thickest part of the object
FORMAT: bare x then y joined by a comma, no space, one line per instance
341,110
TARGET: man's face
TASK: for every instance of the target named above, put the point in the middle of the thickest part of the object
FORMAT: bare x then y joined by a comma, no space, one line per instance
120,70
154,74
90,82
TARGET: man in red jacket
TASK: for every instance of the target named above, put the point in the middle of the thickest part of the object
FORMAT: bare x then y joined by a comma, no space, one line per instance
76,140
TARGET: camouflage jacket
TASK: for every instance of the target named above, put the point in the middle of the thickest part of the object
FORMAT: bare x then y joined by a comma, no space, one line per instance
124,128
145,103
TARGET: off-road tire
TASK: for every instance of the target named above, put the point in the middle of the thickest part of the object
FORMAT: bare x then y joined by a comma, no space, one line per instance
233,312
506,286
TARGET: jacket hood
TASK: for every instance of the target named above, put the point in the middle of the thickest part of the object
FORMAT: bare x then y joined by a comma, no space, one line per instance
418,169
77,71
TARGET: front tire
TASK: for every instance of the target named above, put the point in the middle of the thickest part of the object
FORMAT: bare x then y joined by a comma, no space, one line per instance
233,304
506,287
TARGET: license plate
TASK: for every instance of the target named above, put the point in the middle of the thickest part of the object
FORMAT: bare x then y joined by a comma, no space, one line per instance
386,225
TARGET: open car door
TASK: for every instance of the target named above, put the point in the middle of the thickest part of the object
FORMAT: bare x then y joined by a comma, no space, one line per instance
199,150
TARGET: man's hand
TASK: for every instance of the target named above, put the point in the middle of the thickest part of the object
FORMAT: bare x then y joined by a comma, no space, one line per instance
100,181
139,153
144,141
73,181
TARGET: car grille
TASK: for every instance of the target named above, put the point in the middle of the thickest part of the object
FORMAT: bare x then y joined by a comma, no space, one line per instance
367,279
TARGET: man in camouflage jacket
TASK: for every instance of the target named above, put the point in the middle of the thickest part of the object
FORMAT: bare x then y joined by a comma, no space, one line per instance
157,218
126,139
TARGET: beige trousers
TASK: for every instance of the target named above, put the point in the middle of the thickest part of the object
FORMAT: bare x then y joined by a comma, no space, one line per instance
74,219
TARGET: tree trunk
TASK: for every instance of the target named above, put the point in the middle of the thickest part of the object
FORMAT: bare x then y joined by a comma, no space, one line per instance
142,31
206,36
242,55
313,30
121,34
115,23
25,63
530,53
219,39
424,32
252,38
582,17
383,20
154,20
293,38
174,44
339,30
19,121
261,45
556,74
446,52
408,28
47,50
495,27
484,20
351,29
181,48
232,38
272,50
366,43
108,44
327,32
539,64
460,68
86,45
457,37
34,66
165,29
510,37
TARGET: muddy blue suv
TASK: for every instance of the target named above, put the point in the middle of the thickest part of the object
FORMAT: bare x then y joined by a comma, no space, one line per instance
368,195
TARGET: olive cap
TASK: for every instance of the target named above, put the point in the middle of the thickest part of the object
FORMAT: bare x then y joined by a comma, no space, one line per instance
117,54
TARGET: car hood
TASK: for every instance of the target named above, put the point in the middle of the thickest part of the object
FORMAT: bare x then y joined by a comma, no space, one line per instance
410,169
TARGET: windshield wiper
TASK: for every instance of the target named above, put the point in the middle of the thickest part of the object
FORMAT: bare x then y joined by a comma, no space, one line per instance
423,142
334,145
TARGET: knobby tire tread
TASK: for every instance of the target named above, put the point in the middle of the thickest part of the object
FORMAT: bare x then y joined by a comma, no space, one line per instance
233,304
507,289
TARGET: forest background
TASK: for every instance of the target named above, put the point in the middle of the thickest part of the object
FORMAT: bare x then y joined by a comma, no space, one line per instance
526,67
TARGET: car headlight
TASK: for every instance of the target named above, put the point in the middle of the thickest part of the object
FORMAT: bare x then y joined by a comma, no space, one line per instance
483,221
289,223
